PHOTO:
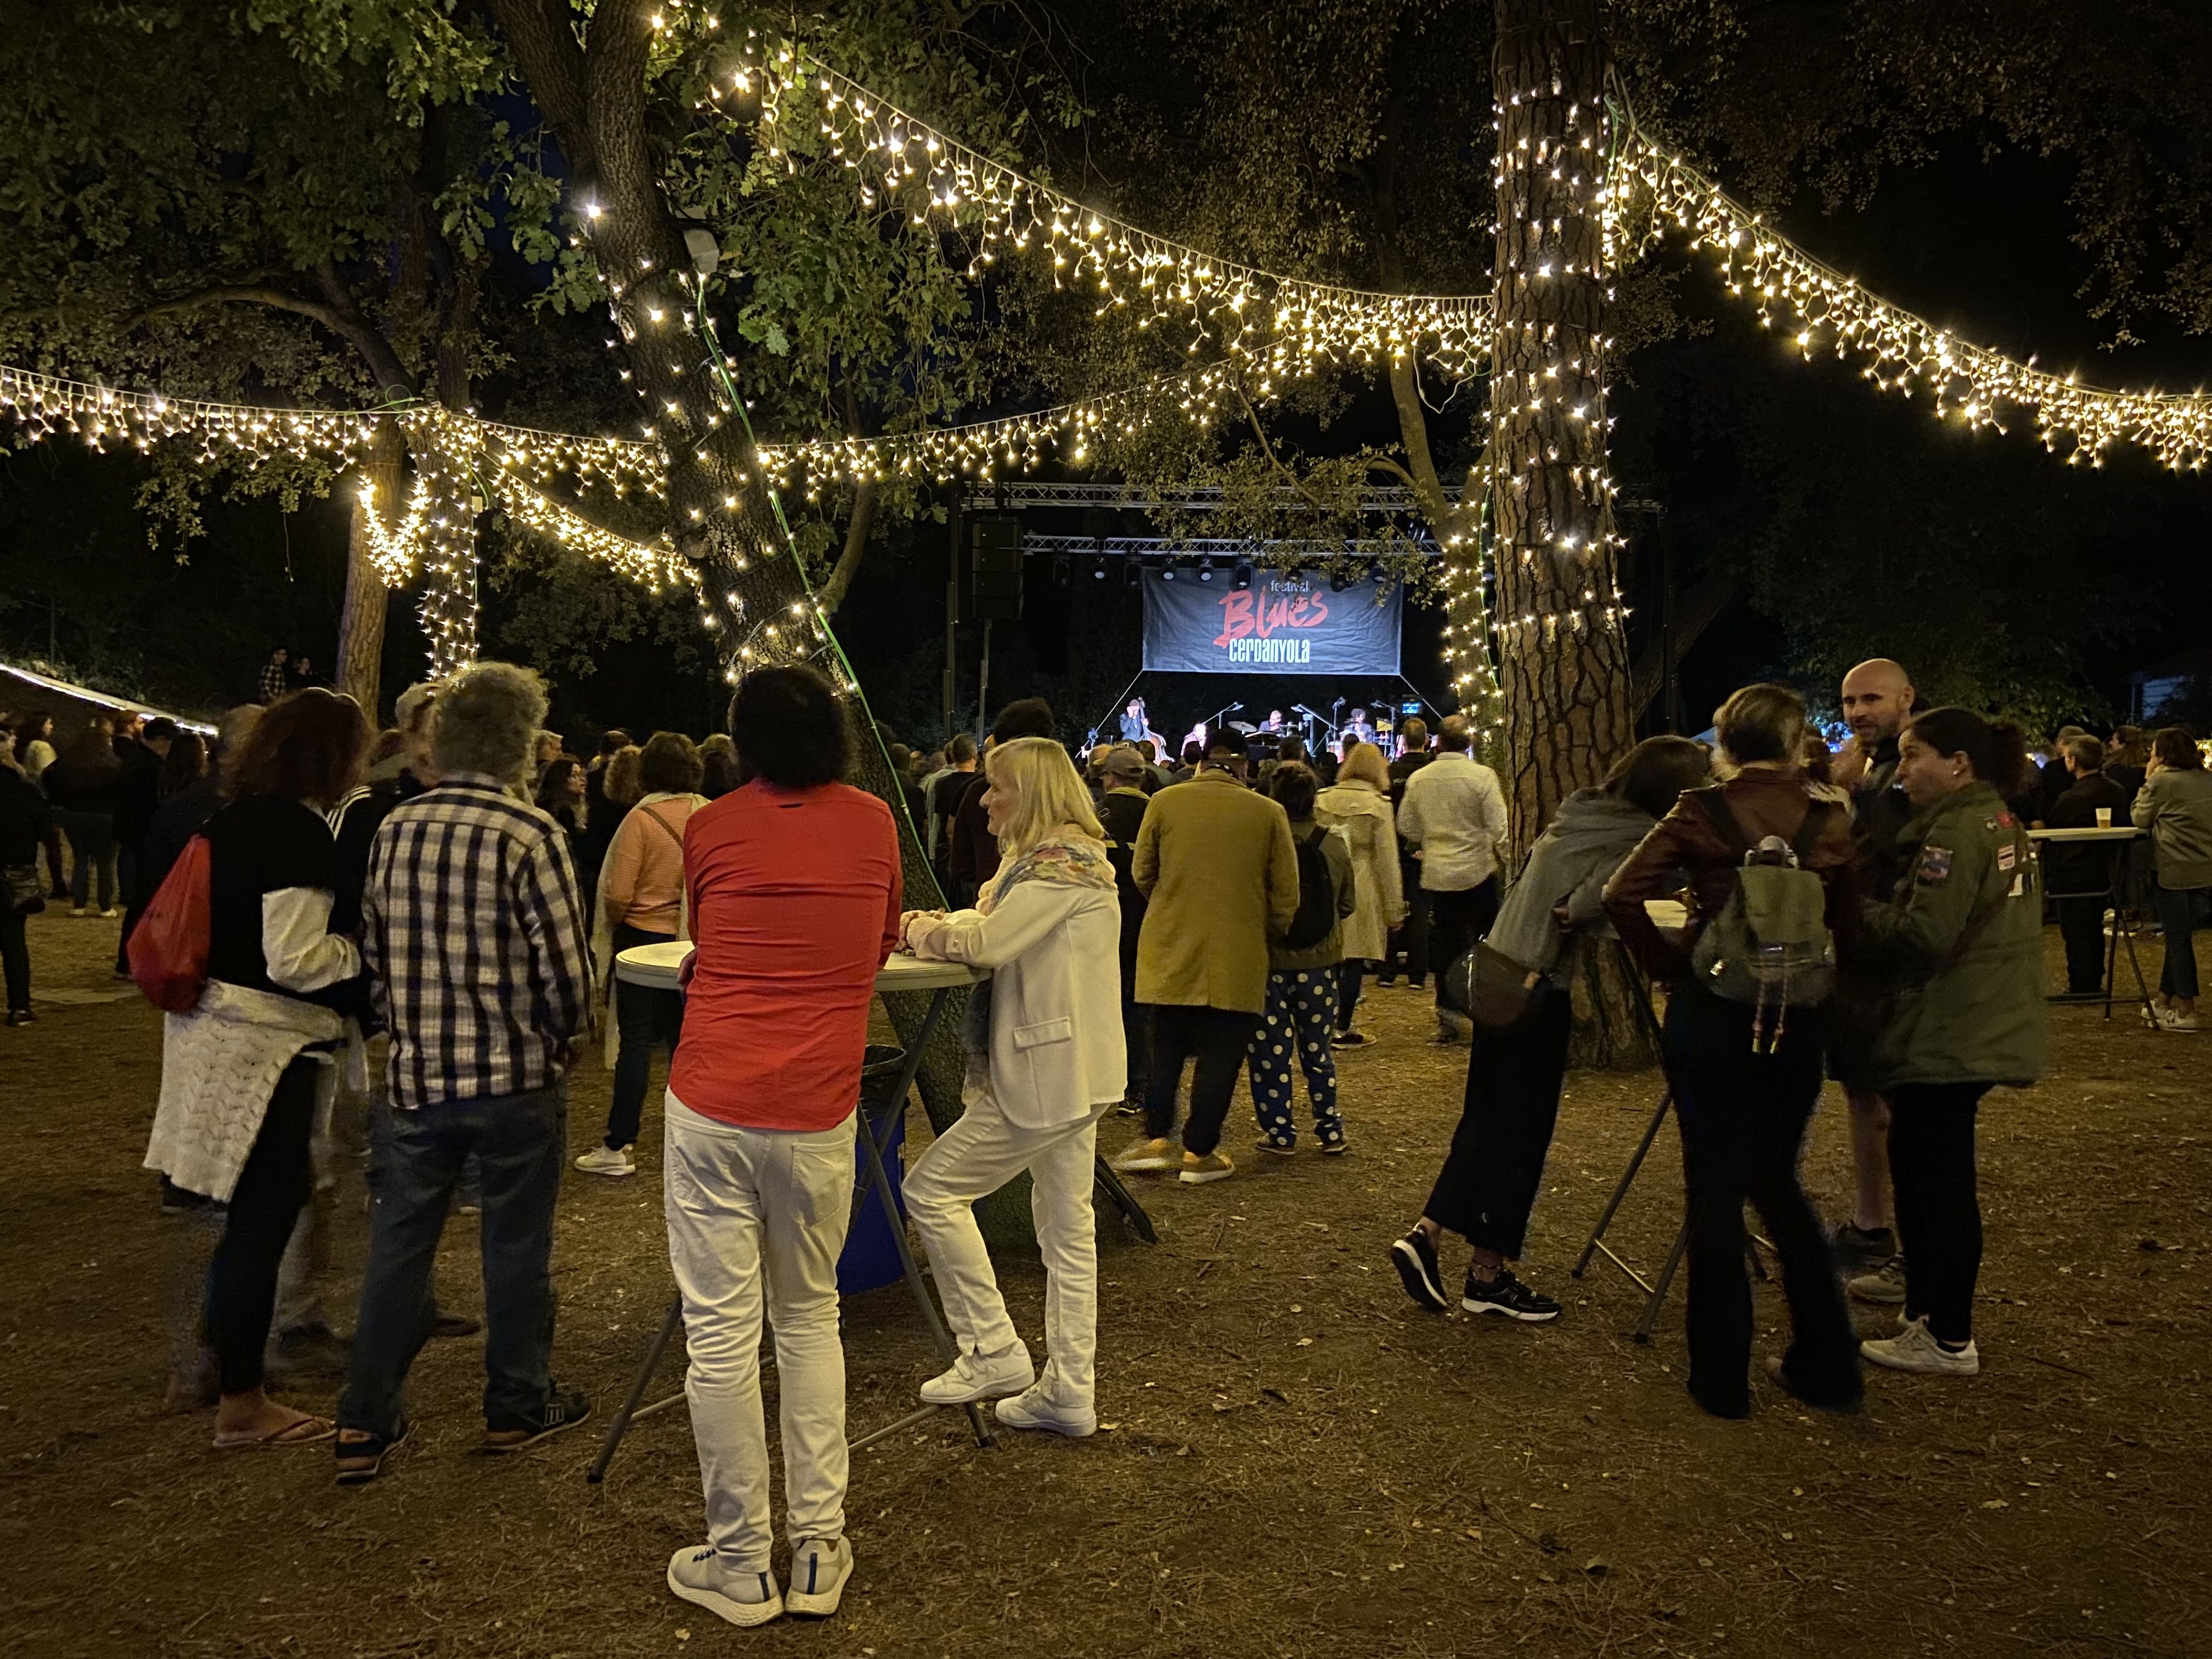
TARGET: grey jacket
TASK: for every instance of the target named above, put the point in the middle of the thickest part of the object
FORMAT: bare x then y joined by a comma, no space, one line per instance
2176,806
1589,837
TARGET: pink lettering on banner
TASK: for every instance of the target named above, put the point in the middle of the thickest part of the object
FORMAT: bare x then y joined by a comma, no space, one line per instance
1251,615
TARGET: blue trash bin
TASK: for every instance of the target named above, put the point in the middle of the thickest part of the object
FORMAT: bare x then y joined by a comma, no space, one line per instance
871,1259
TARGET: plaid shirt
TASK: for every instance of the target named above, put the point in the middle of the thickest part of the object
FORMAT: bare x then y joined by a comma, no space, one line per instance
474,929
275,682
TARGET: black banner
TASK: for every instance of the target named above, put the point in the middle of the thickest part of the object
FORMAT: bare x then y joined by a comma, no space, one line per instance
1283,624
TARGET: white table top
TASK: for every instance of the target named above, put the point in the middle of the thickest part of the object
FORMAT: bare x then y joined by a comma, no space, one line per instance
661,967
2118,832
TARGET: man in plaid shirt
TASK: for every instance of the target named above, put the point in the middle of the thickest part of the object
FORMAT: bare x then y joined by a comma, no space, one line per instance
474,929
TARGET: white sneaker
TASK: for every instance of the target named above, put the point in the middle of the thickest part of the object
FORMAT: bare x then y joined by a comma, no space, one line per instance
819,1568
607,1161
1916,1349
2170,1021
1036,1408
80,911
980,1376
1147,1156
696,1574
110,913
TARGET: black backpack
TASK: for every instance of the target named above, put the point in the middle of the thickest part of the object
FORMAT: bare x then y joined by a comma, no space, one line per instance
1316,915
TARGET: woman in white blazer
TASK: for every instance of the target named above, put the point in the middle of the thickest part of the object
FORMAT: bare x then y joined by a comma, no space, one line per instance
1045,1060
1359,804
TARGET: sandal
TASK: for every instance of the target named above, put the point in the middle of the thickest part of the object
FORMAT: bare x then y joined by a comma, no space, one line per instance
307,1431
362,1461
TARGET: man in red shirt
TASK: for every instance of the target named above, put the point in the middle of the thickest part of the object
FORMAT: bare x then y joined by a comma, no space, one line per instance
794,892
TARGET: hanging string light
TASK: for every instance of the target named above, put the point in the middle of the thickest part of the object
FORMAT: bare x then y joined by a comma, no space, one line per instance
1286,325
655,564
1819,309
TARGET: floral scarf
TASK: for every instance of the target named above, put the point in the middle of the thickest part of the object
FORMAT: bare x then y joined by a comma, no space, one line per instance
1062,860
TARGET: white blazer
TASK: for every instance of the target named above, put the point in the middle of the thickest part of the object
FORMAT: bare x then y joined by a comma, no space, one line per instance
1054,954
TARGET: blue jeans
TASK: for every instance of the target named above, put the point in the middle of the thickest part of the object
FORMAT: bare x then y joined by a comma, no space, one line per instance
521,1142
645,1018
2180,910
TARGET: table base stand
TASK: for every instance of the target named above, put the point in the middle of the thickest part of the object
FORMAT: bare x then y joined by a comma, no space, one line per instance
872,1177
1654,1291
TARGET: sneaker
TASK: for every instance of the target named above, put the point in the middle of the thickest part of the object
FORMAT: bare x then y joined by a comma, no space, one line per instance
1350,1040
696,1574
2172,1022
1214,1166
1882,1288
1507,1295
1453,1027
1145,1157
446,1326
1130,1108
110,913
21,1016
1916,1349
1415,1259
819,1568
1861,1250
613,1161
1036,1408
1778,1373
80,910
1279,1148
980,1376
562,1410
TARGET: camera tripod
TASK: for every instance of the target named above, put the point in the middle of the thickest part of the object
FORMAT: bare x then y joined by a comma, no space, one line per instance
1654,1290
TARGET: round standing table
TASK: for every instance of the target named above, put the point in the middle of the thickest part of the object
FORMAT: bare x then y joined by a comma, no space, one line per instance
2122,840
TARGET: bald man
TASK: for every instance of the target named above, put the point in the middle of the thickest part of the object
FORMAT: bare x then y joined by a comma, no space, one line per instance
1878,700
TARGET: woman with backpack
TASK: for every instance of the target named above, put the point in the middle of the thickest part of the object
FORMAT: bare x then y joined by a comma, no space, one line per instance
1302,1005
1962,939
1744,1047
640,902
1488,1186
1359,804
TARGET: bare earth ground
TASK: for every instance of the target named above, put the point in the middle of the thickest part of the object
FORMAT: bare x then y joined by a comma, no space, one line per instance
1298,1461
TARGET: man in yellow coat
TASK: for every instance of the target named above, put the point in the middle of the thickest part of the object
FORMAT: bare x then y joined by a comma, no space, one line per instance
1220,878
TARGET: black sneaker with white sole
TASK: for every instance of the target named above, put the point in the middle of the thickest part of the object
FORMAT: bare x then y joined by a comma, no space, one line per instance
563,1409
1507,1295
1415,1259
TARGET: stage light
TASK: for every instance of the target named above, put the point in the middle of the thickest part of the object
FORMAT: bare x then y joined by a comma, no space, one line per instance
1243,577
1098,570
1338,582
1063,570
1206,570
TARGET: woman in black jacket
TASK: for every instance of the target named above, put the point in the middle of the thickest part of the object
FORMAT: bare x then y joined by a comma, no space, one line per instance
24,823
81,788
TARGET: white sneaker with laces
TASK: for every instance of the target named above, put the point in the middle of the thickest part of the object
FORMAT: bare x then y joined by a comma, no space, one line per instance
607,1161
2170,1021
1036,1408
980,1376
819,1568
745,1598
1916,1349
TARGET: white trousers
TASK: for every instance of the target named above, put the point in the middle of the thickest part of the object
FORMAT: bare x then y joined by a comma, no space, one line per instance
979,1154
755,1220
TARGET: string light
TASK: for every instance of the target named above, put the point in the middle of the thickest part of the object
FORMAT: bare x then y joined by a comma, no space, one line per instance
657,565
1286,325
1822,309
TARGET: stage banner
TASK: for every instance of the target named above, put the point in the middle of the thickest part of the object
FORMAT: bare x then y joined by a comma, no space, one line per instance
1283,624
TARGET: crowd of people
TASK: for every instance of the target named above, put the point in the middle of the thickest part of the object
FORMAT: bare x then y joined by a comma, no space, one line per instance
459,886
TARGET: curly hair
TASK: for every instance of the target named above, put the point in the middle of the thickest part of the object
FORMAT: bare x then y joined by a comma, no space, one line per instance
791,727
670,764
485,720
307,747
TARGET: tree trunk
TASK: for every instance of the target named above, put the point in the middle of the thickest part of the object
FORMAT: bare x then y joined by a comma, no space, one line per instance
1563,650
361,622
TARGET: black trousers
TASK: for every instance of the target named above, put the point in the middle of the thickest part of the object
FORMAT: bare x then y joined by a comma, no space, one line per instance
1349,972
1456,919
2081,925
15,956
271,1189
1217,1038
1411,935
1488,1185
1136,1030
645,1019
1742,1115
1939,1211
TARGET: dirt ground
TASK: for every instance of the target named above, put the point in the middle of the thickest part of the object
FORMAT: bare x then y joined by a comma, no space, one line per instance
1292,1459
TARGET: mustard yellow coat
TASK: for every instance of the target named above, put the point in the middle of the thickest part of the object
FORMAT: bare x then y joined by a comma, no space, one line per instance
1220,878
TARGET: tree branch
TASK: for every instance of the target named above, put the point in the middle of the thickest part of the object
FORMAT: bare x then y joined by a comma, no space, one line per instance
347,323
1275,460
542,35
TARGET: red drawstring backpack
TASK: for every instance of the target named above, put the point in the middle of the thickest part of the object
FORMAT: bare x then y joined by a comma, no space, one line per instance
168,949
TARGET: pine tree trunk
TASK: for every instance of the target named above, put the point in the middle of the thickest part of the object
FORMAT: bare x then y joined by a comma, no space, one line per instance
360,619
1563,650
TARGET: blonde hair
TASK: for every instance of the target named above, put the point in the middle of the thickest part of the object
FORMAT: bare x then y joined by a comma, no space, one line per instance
1047,792
1363,761
623,781
1764,722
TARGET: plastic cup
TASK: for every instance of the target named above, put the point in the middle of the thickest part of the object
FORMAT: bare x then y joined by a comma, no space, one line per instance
2104,818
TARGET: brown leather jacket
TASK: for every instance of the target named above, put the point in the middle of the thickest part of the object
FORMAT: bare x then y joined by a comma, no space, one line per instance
1687,844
